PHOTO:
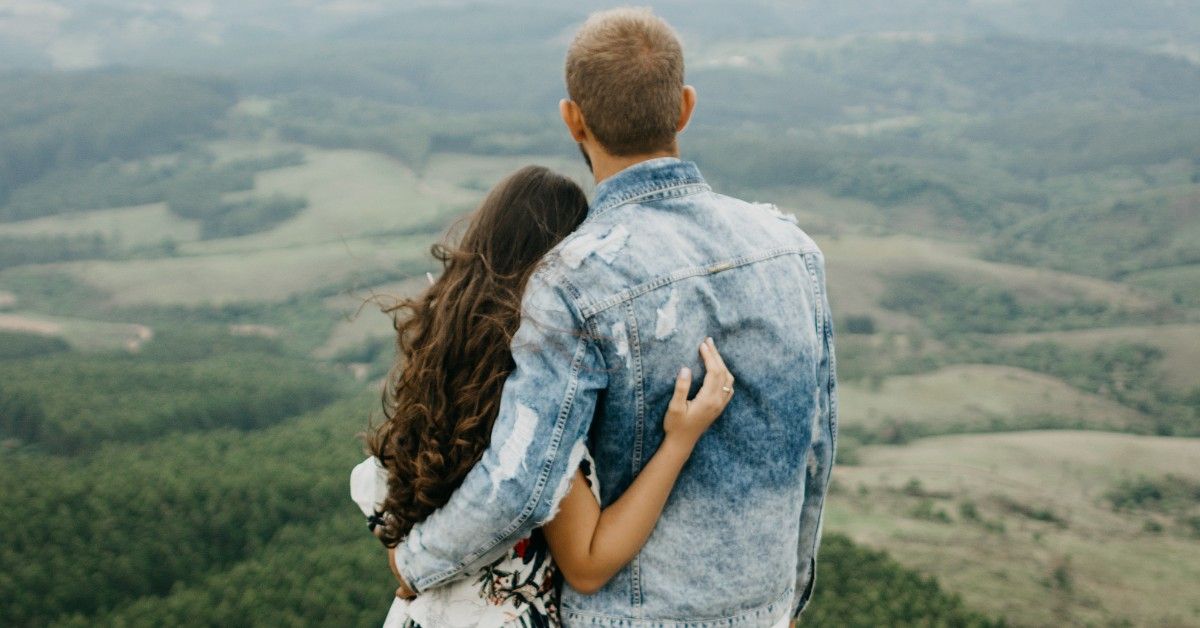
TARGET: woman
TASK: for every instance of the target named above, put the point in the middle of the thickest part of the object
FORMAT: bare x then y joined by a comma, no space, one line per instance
442,398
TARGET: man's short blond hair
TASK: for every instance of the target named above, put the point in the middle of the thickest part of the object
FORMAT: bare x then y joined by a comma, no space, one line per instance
625,71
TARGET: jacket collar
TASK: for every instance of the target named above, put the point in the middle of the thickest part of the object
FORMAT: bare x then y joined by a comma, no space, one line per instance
645,179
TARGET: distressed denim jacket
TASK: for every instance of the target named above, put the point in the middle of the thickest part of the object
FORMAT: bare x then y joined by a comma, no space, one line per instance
610,316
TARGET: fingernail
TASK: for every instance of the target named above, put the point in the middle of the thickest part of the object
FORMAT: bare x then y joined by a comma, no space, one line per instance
685,372
710,342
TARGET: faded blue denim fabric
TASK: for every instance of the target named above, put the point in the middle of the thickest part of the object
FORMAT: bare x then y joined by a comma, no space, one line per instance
611,315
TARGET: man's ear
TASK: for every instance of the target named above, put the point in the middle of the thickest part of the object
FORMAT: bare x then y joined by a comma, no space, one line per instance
573,118
687,106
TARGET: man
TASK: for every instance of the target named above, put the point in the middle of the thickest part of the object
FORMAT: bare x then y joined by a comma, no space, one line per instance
660,263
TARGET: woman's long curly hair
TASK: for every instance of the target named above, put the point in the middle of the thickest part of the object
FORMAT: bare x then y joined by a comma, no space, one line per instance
443,392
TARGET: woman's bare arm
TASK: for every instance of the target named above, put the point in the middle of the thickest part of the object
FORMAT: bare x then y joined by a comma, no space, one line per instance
590,545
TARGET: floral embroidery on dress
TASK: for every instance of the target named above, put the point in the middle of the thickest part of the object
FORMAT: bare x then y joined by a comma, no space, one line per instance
519,589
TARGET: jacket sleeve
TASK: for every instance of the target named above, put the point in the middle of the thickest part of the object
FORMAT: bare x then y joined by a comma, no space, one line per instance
546,408
820,456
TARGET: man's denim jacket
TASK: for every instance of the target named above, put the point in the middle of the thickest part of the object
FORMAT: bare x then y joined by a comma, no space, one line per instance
612,314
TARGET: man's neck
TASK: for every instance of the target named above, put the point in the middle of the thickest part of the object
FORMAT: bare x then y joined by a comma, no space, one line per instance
605,166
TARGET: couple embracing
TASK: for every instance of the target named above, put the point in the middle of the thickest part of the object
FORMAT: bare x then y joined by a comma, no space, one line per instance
611,413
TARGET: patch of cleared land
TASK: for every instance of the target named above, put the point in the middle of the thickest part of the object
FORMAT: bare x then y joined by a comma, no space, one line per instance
355,193
350,194
29,325
976,398
881,125
7,300
252,329
763,54
859,267
254,106
81,334
1178,282
353,197
1180,344
229,150
266,275
1068,558
124,227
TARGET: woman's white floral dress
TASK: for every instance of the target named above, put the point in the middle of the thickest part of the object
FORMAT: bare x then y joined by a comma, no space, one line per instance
519,589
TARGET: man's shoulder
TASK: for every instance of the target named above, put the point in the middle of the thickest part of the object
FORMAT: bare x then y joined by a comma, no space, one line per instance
599,239
582,257
767,215
565,274
637,242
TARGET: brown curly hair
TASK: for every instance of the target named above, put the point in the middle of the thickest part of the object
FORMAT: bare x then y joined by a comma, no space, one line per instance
442,394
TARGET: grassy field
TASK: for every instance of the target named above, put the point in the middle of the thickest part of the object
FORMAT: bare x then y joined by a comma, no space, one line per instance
1181,283
1043,546
1017,522
350,194
978,398
262,275
354,193
126,227
860,266
1180,344
82,334
367,213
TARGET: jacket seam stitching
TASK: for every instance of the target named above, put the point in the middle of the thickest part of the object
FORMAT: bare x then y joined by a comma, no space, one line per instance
823,331
700,185
597,307
639,435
